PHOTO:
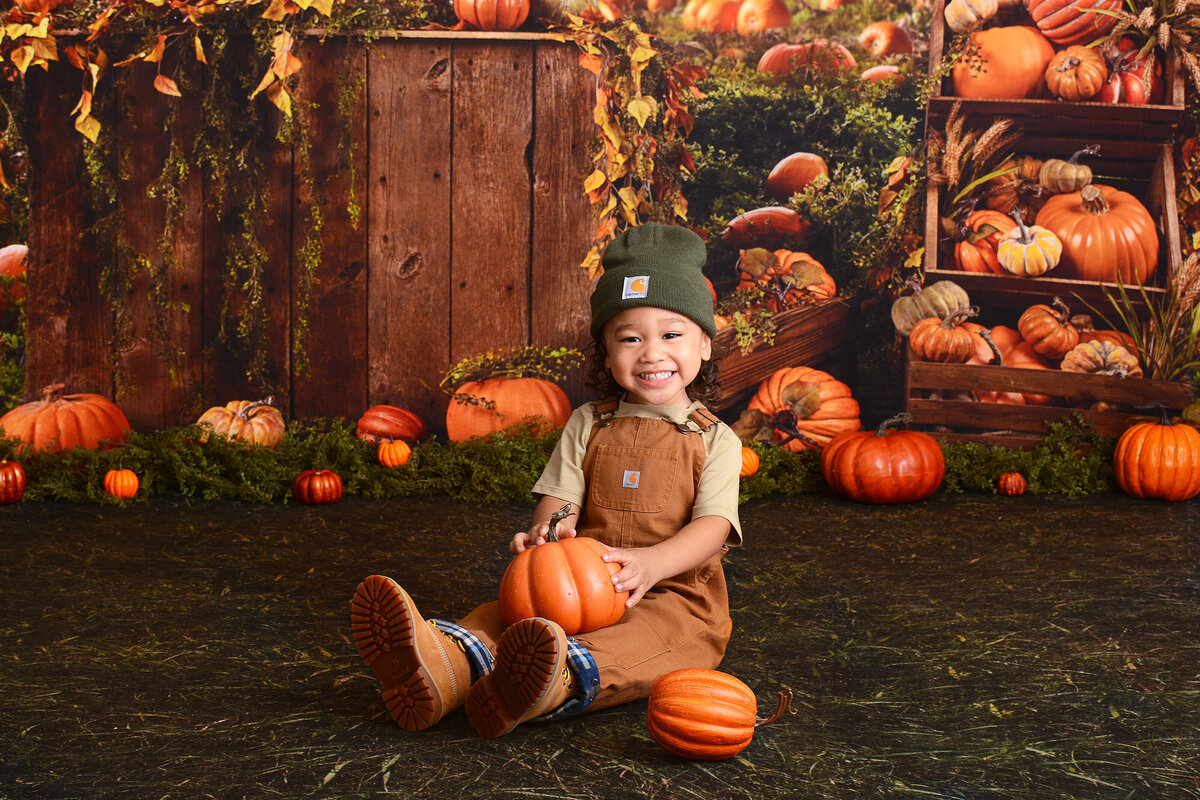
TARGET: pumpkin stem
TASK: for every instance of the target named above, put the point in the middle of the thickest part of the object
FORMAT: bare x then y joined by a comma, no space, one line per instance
1025,238
913,284
986,335
245,412
903,416
1064,311
1083,323
1094,201
958,316
1068,64
1090,150
53,392
785,704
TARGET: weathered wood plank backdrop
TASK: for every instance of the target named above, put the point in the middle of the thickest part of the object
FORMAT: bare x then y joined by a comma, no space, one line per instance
469,155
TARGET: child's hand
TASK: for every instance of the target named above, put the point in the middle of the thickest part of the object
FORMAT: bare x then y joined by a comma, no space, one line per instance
638,574
537,536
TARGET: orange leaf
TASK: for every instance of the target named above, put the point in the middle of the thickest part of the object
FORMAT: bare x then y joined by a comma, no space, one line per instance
591,63
166,85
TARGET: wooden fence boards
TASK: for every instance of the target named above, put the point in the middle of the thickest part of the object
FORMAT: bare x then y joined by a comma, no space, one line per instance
468,160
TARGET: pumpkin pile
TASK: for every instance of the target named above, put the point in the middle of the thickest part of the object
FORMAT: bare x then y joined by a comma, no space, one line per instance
1046,336
1039,215
1035,49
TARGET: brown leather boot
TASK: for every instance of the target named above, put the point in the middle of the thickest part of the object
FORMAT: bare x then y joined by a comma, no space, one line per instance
530,678
424,672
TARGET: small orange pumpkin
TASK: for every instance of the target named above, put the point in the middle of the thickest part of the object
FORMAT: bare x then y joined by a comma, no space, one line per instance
1048,329
1011,484
1159,460
1077,73
317,487
944,340
704,714
12,481
121,483
394,453
883,465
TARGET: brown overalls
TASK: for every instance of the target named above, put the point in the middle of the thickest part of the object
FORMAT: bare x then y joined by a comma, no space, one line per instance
642,476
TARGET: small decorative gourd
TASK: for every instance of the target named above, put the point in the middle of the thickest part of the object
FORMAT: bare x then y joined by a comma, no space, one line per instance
939,300
256,422
981,232
1028,250
962,15
1099,357
1077,73
704,714
317,487
1059,176
1048,329
944,340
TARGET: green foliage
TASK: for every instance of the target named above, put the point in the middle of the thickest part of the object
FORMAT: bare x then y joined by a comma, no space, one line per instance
1072,460
780,471
747,122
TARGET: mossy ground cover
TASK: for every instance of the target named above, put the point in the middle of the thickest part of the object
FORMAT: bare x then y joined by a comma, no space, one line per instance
967,646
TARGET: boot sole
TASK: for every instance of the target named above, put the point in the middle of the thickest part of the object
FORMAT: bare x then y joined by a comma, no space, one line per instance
384,621
530,657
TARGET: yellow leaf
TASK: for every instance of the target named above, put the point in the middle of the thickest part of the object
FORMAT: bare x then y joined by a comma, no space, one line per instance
642,54
17,31
591,262
594,181
266,81
282,42
278,94
641,110
199,47
156,53
43,28
629,203
276,11
681,207
21,57
286,64
89,126
46,49
166,85
84,106
323,7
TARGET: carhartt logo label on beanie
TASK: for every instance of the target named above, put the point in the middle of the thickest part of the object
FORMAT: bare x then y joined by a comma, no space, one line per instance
658,266
635,287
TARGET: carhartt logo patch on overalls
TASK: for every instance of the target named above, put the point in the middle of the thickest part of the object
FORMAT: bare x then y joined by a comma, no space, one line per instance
631,479
634,287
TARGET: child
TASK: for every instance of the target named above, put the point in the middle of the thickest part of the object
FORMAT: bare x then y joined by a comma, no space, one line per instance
651,473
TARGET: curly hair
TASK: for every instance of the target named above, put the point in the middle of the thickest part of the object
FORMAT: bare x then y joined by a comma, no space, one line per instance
705,387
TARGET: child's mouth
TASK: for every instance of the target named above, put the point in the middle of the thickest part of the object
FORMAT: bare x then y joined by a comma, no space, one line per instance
655,377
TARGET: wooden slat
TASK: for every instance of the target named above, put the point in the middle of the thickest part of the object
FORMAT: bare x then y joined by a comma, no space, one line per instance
334,382
806,336
492,94
1079,386
562,224
159,373
993,416
68,322
409,225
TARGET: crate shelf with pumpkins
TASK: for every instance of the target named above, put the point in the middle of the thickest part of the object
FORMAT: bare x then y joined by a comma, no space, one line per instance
996,56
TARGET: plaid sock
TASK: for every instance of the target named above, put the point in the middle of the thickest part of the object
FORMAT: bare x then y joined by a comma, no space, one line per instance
478,656
586,677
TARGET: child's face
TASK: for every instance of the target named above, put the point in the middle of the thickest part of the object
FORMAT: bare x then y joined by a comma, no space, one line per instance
654,354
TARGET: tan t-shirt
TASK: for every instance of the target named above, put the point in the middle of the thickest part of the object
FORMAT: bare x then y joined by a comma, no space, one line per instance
717,494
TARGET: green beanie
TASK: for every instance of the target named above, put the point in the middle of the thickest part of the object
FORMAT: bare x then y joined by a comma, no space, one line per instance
654,265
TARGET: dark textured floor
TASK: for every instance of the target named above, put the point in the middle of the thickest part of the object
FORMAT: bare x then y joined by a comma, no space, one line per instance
962,647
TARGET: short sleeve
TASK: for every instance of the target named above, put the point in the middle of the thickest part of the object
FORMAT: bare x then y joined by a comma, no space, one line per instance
563,474
717,494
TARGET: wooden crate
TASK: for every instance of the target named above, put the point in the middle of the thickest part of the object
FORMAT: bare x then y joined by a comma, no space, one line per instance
469,151
928,386
817,335
1142,168
1154,122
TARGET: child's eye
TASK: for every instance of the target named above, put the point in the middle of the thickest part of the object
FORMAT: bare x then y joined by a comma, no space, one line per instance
672,335
629,339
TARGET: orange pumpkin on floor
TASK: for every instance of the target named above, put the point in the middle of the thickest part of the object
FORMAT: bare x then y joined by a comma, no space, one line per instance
704,714
121,483
62,421
884,465
749,462
480,408
12,481
1159,460
564,581
317,487
817,404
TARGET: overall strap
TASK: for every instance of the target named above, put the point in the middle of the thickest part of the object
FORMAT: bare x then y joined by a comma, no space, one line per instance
606,408
703,418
